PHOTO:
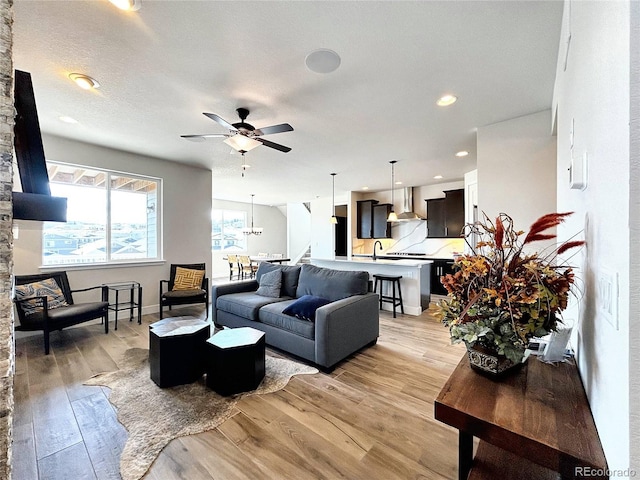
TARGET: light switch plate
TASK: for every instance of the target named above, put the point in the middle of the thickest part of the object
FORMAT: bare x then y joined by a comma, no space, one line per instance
578,171
607,296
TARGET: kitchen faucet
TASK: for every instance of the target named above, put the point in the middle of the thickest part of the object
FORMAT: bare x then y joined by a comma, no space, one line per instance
378,242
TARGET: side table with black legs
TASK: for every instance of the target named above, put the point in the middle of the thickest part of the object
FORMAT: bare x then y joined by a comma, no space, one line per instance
120,300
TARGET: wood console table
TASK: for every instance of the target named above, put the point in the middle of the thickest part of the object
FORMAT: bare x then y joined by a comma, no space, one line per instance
535,423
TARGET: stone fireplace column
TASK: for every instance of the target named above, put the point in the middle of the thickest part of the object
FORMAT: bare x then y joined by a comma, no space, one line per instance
7,353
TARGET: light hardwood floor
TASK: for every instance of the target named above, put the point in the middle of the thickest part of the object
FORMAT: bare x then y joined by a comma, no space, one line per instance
371,418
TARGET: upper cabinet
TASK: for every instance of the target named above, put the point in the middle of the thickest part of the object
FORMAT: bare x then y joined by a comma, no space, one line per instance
371,219
365,218
381,228
445,216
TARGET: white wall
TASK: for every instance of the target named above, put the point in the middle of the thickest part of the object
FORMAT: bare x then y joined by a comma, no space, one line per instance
186,218
634,238
272,240
517,169
298,230
594,92
322,231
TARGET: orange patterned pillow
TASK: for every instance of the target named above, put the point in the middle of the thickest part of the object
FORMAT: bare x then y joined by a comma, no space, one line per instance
187,279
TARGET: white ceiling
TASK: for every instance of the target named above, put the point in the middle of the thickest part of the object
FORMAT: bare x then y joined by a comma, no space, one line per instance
160,68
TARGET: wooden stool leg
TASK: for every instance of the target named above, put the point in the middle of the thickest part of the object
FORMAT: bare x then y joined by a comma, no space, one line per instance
393,284
400,295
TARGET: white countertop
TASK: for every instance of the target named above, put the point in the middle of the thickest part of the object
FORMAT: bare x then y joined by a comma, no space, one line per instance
364,260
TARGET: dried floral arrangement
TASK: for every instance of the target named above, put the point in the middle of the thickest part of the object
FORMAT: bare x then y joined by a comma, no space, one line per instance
499,296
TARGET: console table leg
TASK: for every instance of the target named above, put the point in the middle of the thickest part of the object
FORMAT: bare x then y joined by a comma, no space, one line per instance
465,454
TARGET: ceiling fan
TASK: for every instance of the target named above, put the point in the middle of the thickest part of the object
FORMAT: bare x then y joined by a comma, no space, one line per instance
243,136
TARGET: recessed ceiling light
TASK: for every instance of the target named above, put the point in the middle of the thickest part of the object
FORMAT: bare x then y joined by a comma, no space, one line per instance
438,177
462,153
84,81
446,100
128,5
66,119
365,188
398,182
322,60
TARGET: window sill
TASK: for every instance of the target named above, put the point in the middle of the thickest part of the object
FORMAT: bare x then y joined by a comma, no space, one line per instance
99,266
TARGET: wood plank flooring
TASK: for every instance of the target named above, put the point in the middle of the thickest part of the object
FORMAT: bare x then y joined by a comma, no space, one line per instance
371,418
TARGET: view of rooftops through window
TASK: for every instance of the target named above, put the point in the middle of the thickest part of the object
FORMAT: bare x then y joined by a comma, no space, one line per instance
111,217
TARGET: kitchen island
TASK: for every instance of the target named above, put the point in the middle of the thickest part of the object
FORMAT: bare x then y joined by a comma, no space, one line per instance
415,282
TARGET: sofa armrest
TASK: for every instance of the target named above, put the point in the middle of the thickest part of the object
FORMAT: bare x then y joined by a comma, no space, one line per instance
226,289
344,326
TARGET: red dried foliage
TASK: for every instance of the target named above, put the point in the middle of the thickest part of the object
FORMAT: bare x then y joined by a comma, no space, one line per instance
569,245
544,223
499,233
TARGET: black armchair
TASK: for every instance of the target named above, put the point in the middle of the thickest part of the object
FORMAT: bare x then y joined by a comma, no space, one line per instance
41,308
176,292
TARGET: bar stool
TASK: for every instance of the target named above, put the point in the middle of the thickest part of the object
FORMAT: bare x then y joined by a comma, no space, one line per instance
395,280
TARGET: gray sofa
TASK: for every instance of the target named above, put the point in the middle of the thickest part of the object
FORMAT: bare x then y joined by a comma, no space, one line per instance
347,323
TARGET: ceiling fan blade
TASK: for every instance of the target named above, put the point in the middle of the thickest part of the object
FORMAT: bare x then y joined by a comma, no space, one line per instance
202,138
283,127
220,120
269,144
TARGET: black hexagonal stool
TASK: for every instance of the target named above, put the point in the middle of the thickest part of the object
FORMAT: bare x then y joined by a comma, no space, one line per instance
235,360
176,350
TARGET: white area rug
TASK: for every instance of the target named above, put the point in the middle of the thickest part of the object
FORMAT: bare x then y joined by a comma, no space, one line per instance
154,416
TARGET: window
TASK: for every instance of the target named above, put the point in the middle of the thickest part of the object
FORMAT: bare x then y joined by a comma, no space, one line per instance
111,217
226,231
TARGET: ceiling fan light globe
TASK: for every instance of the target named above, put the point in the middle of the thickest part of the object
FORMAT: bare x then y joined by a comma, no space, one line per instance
242,143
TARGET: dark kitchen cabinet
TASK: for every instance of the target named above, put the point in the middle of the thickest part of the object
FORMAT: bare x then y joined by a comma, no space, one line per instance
445,216
381,228
435,218
371,218
439,268
364,214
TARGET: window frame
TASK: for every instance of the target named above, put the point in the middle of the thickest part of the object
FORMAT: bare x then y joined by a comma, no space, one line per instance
110,262
222,249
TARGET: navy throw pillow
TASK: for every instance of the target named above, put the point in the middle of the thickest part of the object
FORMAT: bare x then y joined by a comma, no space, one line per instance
305,307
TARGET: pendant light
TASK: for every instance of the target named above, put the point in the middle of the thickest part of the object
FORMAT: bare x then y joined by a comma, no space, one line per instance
334,220
253,230
392,215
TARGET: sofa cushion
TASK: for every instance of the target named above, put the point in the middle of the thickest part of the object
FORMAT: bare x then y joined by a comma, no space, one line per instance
305,307
270,284
272,315
45,288
331,284
290,276
176,294
245,304
187,279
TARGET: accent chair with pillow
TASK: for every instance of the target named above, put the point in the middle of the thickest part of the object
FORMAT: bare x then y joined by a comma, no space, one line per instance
319,314
187,284
45,302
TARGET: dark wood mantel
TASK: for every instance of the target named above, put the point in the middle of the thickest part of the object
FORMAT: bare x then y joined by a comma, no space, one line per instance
536,421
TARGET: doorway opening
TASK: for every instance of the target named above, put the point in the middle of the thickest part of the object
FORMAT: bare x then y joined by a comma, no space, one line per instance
340,232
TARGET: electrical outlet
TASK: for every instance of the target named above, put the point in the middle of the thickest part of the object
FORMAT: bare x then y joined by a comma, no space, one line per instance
607,296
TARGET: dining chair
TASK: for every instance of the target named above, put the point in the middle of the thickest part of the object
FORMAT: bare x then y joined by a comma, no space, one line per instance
247,267
233,266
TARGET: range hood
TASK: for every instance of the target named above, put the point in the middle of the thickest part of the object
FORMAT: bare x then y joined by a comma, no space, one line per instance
407,207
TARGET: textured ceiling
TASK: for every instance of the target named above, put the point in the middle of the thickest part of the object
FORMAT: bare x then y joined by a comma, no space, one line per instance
160,68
